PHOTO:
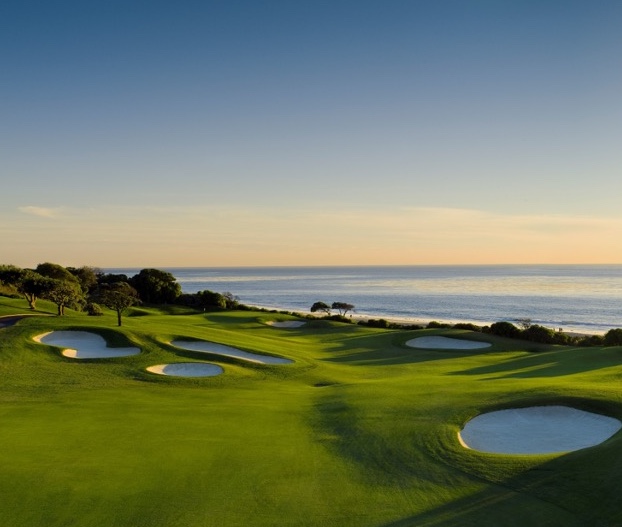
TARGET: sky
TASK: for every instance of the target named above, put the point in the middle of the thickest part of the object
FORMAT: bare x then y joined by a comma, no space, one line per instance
309,132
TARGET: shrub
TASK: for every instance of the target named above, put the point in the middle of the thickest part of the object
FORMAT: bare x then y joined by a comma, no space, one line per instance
434,324
505,329
378,323
93,310
613,337
591,340
536,333
468,326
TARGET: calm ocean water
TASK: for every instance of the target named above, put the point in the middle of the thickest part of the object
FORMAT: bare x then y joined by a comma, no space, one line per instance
584,298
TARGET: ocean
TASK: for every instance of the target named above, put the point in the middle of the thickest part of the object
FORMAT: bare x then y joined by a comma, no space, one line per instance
579,298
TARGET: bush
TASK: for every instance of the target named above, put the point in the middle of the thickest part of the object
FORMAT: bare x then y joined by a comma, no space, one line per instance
378,323
536,333
434,324
591,340
613,337
338,318
505,329
93,310
468,326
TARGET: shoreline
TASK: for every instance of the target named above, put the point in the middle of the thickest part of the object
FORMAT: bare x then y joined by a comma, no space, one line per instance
419,321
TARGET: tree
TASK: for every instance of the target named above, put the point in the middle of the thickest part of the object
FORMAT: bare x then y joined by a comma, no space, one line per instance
231,301
505,329
118,297
155,286
211,300
58,272
87,276
536,333
111,278
320,306
10,275
63,293
33,286
613,337
342,307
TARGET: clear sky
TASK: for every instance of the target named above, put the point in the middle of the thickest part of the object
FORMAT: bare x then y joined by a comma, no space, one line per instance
310,132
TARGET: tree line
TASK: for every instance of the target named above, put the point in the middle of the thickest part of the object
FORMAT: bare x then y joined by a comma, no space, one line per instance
87,288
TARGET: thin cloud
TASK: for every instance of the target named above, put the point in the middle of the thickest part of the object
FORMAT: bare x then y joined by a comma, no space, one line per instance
42,212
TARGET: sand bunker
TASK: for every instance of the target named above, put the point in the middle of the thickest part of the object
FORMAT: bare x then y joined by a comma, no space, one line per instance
83,345
446,343
287,324
219,349
187,369
537,430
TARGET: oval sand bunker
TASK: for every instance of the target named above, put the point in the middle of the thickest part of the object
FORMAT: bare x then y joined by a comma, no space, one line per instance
187,369
83,345
537,430
287,324
446,343
204,346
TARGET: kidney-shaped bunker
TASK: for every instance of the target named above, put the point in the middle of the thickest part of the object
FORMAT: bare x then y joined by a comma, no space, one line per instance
187,369
287,324
204,346
435,342
537,430
83,345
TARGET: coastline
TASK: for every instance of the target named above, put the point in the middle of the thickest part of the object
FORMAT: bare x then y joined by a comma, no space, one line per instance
419,321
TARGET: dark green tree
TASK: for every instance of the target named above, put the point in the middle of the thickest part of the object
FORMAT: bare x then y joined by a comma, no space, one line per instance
342,307
211,300
155,286
231,301
505,329
87,277
58,272
111,278
320,306
537,333
26,282
64,294
118,297
613,337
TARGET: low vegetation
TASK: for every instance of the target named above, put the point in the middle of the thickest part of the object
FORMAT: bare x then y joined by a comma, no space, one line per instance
360,431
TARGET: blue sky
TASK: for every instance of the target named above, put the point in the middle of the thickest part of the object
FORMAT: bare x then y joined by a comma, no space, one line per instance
309,132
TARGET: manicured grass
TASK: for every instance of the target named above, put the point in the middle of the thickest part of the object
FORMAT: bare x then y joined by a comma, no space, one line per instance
360,431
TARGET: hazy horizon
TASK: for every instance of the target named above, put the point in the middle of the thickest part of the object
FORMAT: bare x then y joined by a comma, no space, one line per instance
216,134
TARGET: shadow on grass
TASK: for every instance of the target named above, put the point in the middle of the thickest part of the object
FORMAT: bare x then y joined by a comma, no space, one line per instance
576,489
391,349
566,361
572,490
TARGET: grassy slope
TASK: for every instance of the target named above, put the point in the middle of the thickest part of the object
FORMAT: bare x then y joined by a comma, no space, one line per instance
360,431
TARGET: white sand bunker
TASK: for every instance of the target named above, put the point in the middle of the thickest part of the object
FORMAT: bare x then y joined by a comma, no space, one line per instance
287,323
446,343
83,345
537,430
187,369
204,346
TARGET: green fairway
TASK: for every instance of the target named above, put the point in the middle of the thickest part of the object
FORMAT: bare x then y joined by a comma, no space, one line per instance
360,430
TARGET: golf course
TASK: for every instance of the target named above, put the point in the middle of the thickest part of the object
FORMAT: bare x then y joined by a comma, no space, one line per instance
341,425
